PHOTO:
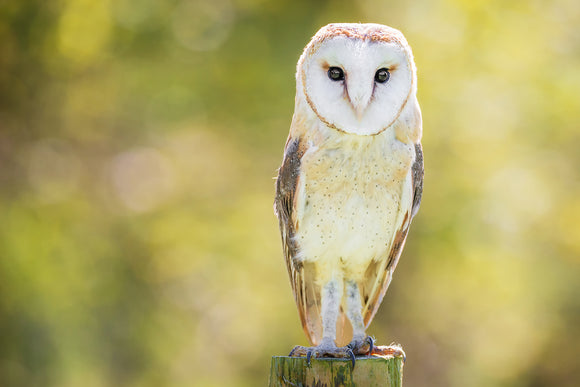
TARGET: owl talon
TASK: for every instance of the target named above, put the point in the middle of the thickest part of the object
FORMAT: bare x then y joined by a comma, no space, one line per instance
362,347
371,342
324,351
352,357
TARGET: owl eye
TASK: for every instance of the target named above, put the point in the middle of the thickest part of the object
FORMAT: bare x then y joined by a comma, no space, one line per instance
382,75
335,74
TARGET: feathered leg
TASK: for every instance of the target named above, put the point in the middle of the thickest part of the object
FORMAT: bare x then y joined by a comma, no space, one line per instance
361,344
331,296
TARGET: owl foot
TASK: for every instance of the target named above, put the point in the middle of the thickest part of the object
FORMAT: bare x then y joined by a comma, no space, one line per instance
388,351
323,350
362,347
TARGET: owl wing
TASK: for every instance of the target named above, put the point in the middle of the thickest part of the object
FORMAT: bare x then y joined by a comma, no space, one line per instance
302,275
380,272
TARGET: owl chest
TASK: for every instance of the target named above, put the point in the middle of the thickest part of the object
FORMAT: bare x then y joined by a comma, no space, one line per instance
349,202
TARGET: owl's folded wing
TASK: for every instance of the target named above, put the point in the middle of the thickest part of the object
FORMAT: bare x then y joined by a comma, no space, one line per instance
302,275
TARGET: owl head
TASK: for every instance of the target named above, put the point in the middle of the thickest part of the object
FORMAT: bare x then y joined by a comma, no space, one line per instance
357,78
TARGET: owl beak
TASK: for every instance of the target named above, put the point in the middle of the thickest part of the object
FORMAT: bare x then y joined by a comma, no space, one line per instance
359,99
359,110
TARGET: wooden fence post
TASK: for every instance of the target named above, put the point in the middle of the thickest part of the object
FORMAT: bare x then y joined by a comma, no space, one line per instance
369,371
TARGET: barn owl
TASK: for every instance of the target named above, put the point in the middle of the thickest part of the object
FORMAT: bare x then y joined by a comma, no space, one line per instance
350,182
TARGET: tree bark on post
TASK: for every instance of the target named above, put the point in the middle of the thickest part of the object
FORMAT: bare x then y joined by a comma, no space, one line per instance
369,371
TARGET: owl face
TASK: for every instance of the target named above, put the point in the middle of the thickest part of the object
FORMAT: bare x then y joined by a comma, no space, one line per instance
357,78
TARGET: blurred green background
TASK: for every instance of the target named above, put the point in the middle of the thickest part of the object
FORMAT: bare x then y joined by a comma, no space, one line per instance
138,141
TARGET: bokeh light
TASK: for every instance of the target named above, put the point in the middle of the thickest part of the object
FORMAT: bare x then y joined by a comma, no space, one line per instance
138,142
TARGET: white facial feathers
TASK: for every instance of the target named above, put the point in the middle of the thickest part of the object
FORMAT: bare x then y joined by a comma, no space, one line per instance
359,102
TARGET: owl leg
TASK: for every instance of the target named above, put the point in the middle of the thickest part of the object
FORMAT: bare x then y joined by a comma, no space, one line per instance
331,295
330,299
361,344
